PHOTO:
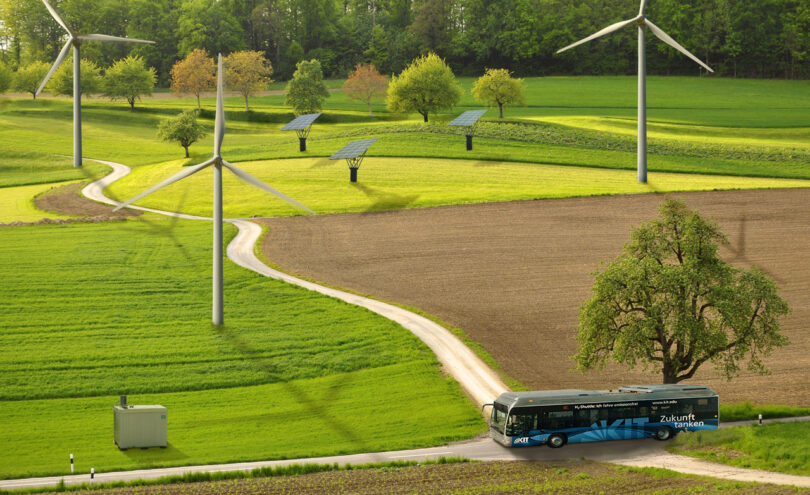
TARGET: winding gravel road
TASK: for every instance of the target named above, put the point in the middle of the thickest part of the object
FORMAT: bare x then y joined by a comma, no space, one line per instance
477,379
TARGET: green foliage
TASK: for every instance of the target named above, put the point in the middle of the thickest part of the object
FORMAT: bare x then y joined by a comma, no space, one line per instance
780,447
183,129
6,78
742,411
29,77
129,79
498,87
306,91
670,302
427,85
61,82
247,72
207,25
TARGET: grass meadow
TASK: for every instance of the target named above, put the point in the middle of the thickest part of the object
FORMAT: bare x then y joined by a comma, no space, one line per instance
780,447
98,310
396,183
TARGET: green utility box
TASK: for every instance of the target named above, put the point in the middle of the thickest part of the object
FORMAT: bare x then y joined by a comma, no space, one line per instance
140,426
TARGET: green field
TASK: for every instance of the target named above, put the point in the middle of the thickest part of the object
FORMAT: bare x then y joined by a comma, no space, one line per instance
395,183
781,447
97,310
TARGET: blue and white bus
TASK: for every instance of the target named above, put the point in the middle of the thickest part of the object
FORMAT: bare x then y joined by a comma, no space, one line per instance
557,417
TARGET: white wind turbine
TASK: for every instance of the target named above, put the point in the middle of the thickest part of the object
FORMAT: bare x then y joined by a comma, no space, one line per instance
217,162
642,21
76,40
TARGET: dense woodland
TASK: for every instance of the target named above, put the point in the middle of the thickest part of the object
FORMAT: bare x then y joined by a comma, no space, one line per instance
738,38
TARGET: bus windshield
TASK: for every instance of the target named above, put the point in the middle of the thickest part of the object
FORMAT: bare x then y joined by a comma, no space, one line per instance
498,417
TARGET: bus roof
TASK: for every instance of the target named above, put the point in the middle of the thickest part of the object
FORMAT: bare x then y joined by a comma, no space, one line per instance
622,394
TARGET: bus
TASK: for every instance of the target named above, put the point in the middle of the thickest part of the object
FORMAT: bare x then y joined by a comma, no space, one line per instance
558,417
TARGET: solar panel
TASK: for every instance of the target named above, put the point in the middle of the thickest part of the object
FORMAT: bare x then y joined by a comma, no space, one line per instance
301,122
353,149
468,118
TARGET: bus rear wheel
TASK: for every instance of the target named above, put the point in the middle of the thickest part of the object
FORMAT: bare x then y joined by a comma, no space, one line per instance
556,441
663,433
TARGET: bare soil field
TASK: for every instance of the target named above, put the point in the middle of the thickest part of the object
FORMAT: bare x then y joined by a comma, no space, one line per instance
486,477
513,275
68,200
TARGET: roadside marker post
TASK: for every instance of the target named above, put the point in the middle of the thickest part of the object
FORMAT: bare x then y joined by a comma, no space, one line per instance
92,474
71,463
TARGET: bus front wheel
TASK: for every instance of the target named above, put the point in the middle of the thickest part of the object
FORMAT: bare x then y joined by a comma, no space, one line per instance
663,433
556,441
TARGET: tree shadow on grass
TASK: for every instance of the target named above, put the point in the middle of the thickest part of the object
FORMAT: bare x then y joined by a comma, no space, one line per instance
384,200
317,406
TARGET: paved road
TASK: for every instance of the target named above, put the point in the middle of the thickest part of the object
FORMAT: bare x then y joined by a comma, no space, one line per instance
476,377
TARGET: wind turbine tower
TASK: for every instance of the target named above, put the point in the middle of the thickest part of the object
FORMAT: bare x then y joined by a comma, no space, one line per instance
75,40
642,22
217,163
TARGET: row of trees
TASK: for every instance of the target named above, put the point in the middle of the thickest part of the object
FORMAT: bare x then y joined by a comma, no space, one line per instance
768,38
127,79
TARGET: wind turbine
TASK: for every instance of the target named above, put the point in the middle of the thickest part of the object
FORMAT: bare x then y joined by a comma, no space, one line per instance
642,21
76,40
217,163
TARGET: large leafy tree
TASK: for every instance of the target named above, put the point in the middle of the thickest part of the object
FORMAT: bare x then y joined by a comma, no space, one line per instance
425,86
497,86
206,24
129,79
365,83
194,74
61,82
29,77
183,129
247,72
669,302
306,91
6,77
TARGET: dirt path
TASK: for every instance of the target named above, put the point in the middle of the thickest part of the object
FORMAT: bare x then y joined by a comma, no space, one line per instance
477,379
470,370
513,275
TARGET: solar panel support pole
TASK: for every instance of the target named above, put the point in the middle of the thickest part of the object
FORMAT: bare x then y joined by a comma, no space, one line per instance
353,175
302,143
469,142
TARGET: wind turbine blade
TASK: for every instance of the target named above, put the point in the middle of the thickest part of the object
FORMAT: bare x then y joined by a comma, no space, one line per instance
219,123
56,17
117,39
674,44
171,180
641,8
61,58
261,185
607,30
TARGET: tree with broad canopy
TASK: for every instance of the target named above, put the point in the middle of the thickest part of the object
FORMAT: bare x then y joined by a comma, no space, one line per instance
669,302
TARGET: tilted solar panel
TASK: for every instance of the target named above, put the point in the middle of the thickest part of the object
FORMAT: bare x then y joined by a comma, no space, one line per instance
468,118
353,149
301,122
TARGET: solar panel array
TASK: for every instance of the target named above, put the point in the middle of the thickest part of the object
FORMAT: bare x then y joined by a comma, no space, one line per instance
468,118
353,149
301,122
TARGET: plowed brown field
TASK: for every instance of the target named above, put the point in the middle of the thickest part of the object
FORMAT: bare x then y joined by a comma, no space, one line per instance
513,275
